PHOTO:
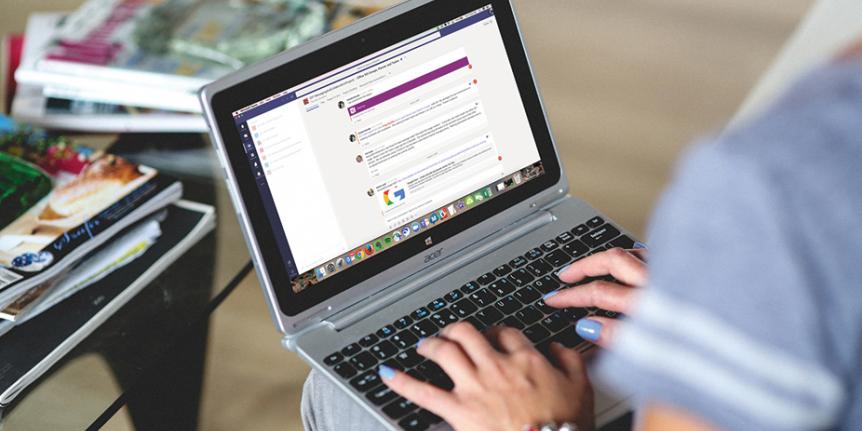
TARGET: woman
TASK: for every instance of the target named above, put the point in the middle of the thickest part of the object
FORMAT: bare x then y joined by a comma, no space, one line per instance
752,315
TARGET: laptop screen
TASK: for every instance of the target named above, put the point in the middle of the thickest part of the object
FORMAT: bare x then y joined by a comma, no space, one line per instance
352,163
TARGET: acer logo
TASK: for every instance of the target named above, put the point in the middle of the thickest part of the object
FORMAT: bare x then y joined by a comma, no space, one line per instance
434,255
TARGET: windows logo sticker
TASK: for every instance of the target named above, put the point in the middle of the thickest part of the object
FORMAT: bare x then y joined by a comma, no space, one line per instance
393,196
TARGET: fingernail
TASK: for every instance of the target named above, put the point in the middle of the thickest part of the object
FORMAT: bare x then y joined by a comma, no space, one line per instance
386,373
550,295
419,343
563,269
589,329
639,244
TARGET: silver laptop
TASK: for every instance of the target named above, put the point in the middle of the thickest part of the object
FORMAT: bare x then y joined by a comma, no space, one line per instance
397,176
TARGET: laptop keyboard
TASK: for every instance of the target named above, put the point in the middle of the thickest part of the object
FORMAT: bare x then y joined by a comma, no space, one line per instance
509,295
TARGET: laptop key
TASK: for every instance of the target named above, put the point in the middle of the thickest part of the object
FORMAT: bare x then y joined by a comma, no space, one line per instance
429,417
399,408
536,333
555,322
564,237
568,337
345,370
575,314
383,350
437,304
595,222
333,358
482,297
600,236
539,268
623,241
351,349
381,395
420,313
476,323
502,270
409,358
576,248
448,316
405,339
368,340
363,361
557,258
512,322
520,277
385,331
508,305
463,308
580,230
529,315
546,284
470,287
486,278
549,245
365,381
489,315
607,313
424,328
413,422
544,308
517,262
403,322
534,254
527,295
454,295
502,287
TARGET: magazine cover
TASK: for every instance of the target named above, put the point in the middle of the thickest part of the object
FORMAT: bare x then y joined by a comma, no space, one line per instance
61,200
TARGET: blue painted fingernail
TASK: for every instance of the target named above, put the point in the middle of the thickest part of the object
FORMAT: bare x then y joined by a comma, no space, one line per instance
419,343
563,269
639,244
589,329
386,373
550,295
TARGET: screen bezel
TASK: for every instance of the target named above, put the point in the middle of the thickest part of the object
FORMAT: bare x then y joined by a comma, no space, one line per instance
333,56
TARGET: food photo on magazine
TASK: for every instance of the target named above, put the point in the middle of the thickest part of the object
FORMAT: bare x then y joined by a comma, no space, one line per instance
62,200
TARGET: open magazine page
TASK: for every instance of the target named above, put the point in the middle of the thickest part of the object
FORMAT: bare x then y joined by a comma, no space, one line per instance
60,201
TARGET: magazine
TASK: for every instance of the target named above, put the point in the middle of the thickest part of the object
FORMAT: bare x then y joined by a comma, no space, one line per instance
44,107
60,201
158,54
34,345
113,255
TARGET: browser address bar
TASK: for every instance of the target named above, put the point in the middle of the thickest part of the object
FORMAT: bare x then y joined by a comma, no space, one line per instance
355,69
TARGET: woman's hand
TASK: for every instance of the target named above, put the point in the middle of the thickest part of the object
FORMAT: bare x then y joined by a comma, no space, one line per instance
501,382
627,268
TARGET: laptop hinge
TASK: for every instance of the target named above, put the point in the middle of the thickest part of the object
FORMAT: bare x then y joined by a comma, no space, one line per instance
476,250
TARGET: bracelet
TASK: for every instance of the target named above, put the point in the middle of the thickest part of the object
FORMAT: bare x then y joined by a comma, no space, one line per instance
552,426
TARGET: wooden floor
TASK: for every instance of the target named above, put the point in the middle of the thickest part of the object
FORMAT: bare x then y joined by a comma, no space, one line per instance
627,85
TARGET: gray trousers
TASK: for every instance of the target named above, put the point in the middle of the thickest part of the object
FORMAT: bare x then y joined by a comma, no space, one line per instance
325,407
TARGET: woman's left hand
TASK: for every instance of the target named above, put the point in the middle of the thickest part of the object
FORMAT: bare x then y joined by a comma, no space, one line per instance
501,382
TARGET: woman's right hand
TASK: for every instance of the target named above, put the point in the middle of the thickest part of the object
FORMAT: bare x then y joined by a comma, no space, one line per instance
629,270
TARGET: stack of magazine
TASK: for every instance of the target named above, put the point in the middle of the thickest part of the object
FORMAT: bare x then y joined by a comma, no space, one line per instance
71,217
136,65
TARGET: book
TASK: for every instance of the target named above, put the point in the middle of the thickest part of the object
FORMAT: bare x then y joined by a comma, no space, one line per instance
158,54
31,348
43,107
61,201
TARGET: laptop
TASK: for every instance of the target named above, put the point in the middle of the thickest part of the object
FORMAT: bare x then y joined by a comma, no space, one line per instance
394,177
